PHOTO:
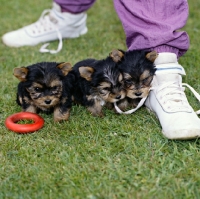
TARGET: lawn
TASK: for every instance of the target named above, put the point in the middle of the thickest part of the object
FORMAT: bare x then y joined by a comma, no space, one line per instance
118,156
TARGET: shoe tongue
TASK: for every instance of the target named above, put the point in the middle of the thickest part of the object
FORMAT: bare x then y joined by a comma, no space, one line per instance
55,13
52,18
56,7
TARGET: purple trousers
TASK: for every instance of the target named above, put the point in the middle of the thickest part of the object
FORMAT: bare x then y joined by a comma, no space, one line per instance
151,24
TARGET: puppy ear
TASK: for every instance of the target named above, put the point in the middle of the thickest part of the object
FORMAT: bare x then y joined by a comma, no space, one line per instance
65,67
151,56
116,55
86,72
20,73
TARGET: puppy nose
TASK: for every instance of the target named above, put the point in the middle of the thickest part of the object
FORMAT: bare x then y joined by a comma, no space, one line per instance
118,97
138,94
48,101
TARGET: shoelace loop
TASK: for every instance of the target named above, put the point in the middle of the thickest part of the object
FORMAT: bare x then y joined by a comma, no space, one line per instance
44,24
195,94
132,110
43,48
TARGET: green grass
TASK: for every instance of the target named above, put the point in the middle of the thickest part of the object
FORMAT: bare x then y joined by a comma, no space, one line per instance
118,156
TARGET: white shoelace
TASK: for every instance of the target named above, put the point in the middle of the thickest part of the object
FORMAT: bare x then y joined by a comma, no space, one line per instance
43,48
195,94
132,110
174,89
44,24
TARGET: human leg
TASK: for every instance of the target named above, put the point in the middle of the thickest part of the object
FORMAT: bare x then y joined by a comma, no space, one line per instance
154,25
76,6
53,24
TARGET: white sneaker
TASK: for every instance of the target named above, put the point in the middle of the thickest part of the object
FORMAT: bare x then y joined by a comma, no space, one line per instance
52,25
168,101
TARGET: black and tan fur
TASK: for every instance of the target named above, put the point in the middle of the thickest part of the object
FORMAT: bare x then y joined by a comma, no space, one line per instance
138,69
45,86
98,82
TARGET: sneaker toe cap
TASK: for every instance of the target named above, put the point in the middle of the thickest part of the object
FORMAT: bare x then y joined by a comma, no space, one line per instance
182,129
17,38
11,39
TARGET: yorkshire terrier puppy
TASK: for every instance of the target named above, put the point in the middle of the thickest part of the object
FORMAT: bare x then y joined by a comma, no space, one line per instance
45,86
138,69
98,82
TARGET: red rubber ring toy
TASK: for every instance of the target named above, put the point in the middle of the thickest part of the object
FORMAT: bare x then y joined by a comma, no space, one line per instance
10,122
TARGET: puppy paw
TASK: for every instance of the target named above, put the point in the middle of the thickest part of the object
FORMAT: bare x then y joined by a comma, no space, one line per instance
98,114
95,112
60,116
31,109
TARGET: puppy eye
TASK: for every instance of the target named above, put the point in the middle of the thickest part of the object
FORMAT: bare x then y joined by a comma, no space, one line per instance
106,89
147,81
37,89
128,82
54,87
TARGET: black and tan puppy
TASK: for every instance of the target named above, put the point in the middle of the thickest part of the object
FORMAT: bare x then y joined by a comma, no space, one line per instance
98,82
45,86
138,69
